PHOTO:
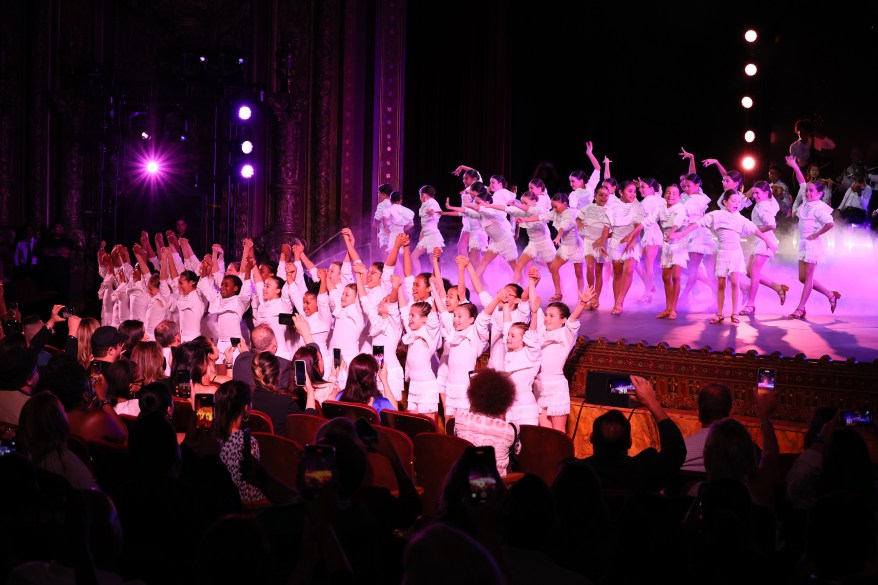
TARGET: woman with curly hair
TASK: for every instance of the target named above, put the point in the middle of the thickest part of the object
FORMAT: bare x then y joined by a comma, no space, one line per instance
362,384
274,401
490,394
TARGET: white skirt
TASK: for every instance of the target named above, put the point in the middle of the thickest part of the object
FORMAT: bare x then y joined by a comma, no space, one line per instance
572,252
652,236
524,414
619,254
430,240
588,249
763,250
553,394
544,251
729,261
505,248
478,240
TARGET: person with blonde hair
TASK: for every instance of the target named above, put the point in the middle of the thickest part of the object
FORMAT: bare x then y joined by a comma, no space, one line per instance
150,360
87,327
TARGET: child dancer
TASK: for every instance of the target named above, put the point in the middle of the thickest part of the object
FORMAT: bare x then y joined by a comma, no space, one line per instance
522,361
348,331
539,245
626,224
379,220
651,240
558,329
594,227
494,223
473,240
729,226
674,254
764,213
465,340
582,193
269,302
384,328
815,219
429,213
700,245
315,308
229,303
568,241
422,338
398,218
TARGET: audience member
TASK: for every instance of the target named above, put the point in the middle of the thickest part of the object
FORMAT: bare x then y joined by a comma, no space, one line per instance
490,395
714,403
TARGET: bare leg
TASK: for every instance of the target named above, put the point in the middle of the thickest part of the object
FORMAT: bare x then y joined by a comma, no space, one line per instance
669,291
577,270
589,270
733,277
519,267
617,284
416,260
463,244
598,282
627,279
544,419
806,277
691,274
675,281
555,270
475,257
558,422
649,254
486,259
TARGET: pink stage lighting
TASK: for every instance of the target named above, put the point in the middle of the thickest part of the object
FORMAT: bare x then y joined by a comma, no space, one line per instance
244,112
247,171
748,162
152,167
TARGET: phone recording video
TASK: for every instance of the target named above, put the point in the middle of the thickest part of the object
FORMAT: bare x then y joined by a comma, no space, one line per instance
183,387
378,352
621,385
319,467
765,381
285,319
235,341
856,418
203,412
482,473
299,366
336,357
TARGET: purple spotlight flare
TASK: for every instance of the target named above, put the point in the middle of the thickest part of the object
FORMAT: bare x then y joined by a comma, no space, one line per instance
247,171
244,112
152,167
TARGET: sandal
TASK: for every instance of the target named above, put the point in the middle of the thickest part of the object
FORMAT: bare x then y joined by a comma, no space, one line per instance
717,320
555,298
616,311
734,319
797,314
748,310
833,300
672,315
782,293
593,306
663,315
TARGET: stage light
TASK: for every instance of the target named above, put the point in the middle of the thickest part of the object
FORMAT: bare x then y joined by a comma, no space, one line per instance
749,136
144,135
203,59
246,147
152,167
750,36
244,112
247,171
750,69
747,102
240,61
748,162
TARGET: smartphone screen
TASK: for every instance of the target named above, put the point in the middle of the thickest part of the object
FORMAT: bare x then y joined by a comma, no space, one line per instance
621,385
203,412
235,341
336,357
765,381
299,371
183,389
482,473
378,352
319,467
285,319
856,418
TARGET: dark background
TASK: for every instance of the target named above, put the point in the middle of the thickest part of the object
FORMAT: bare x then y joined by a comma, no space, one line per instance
640,83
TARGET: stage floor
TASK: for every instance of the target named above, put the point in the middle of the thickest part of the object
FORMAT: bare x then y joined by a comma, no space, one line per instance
840,336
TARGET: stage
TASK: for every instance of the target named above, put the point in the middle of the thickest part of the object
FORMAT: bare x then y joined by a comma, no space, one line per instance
840,336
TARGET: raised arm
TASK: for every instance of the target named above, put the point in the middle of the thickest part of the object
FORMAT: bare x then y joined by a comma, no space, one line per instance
691,158
607,162
589,152
713,162
584,299
349,242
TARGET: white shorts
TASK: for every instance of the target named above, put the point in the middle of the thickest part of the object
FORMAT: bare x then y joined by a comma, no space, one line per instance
810,251
588,249
618,253
553,395
729,262
478,240
504,248
571,252
525,414
423,396
675,254
544,251
761,249
431,240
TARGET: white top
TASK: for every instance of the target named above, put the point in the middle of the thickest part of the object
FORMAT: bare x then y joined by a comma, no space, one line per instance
348,330
398,218
383,231
624,218
594,219
673,217
729,227
522,365
813,215
566,220
802,196
190,309
556,346
537,231
429,222
764,213
422,345
465,347
696,206
857,200
229,310
502,196
266,312
579,198
652,205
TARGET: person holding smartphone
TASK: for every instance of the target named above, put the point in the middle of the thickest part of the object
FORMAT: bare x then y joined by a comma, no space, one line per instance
362,384
272,398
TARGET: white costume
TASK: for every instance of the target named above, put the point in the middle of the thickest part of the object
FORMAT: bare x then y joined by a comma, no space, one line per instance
700,240
813,215
522,366
624,218
594,219
729,228
430,236
674,253
583,196
764,216
539,245
653,205
464,348
550,385
570,247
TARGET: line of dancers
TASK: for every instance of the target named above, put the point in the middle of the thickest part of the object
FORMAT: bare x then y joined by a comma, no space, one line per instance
628,224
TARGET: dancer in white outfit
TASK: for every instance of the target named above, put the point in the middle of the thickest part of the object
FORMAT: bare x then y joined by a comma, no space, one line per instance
568,241
674,253
379,219
399,219
558,329
815,219
495,224
582,193
539,245
522,361
473,240
594,227
729,226
651,238
764,213
626,223
430,237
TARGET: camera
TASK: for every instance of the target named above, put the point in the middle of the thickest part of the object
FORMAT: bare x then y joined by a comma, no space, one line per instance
67,312
481,466
765,380
856,418
621,386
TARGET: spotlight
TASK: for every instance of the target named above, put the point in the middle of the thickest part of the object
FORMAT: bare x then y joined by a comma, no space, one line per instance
748,162
241,61
747,102
247,171
152,167
203,59
244,112
750,69
750,36
749,136
144,135
246,147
